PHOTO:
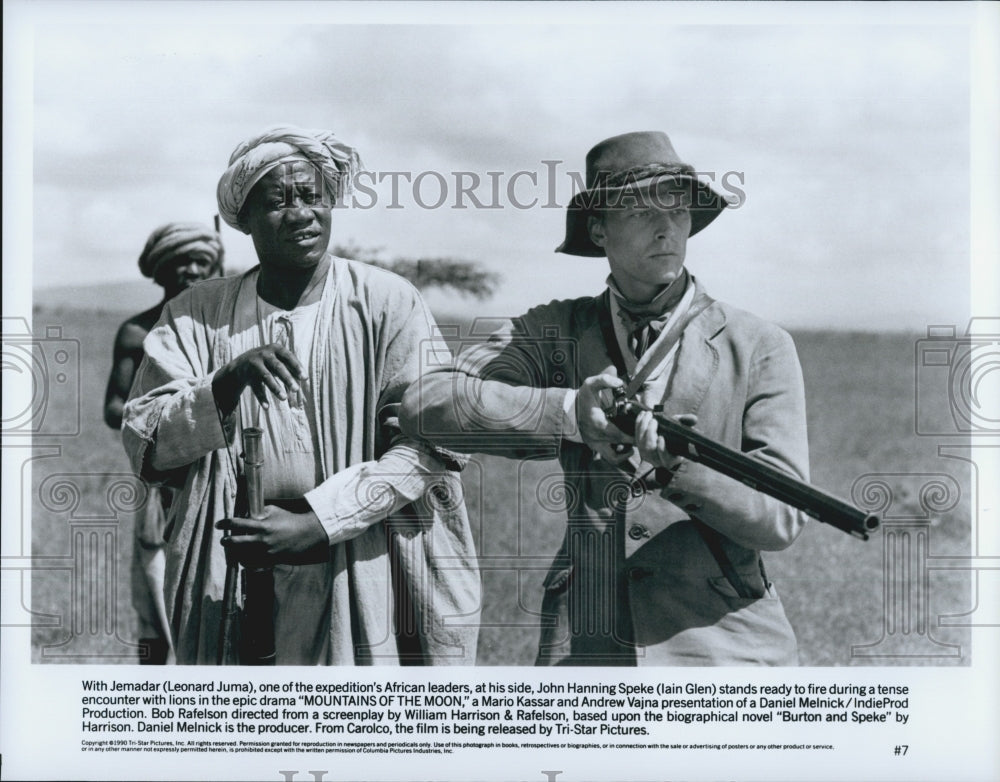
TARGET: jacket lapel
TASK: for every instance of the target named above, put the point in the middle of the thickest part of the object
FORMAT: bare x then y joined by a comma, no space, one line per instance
697,358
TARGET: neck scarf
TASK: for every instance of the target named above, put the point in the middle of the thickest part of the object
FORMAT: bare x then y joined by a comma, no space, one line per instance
644,321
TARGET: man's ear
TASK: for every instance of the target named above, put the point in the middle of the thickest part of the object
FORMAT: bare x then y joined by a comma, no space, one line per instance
595,228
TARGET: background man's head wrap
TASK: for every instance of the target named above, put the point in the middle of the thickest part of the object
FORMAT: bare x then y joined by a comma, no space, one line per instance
174,239
251,160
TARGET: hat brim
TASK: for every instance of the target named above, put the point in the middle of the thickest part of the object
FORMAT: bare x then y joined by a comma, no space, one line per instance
708,205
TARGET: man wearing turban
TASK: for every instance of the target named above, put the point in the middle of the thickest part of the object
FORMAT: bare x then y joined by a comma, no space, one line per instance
365,528
176,256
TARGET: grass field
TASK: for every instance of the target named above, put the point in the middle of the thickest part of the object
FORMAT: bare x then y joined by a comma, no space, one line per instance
861,401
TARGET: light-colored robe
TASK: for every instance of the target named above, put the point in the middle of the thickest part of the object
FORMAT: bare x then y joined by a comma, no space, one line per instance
405,589
148,565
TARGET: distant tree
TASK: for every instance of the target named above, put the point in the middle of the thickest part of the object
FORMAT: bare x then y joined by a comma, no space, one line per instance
465,277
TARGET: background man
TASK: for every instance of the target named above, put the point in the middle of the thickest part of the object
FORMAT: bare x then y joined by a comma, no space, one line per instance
327,347
660,562
176,256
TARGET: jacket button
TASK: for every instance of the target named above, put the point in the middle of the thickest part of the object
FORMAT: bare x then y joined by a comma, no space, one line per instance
639,573
637,532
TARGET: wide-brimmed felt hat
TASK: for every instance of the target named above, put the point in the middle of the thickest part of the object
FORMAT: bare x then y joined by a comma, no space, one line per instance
633,162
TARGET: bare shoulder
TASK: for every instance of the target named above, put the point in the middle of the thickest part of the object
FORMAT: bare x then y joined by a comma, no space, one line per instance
134,330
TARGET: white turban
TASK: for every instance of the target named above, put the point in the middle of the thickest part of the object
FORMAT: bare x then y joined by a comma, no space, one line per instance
174,239
252,159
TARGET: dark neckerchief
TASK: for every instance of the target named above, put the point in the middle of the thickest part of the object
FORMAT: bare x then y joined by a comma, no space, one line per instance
636,316
604,317
643,322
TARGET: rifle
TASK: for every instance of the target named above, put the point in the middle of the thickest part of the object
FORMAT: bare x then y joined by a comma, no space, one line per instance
221,260
684,441
256,620
230,611
257,637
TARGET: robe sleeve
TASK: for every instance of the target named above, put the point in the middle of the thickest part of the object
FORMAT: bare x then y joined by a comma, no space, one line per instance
170,419
364,493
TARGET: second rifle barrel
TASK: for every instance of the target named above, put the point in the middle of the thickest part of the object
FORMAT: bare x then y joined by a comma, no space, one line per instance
253,464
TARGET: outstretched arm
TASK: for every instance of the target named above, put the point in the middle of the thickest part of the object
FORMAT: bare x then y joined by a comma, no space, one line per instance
506,396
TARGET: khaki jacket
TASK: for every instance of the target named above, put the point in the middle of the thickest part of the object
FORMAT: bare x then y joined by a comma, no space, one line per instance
635,581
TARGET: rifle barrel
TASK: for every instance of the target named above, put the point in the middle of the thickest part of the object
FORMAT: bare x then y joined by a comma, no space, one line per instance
684,441
258,582
253,465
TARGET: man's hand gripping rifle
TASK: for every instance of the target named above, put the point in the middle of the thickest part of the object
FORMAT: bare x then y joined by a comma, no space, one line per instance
684,441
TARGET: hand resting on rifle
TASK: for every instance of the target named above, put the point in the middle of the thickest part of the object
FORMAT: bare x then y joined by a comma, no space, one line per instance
281,538
269,368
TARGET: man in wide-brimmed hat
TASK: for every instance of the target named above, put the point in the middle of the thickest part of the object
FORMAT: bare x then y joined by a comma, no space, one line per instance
660,563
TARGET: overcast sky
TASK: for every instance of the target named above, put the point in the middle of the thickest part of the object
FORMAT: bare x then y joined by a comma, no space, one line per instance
851,141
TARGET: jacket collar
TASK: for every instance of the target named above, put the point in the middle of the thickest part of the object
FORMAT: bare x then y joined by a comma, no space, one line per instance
697,357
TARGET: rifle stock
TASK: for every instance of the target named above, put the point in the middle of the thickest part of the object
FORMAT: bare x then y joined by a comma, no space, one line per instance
684,441
230,609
